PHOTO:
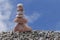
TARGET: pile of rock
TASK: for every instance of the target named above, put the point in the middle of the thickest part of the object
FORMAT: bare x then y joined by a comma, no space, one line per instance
32,35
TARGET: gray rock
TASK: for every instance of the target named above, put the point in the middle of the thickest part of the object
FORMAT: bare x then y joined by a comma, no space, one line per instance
33,35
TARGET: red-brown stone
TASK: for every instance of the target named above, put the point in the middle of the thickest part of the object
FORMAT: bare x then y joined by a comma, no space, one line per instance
21,21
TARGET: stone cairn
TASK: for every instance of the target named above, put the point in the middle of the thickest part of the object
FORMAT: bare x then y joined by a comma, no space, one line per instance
21,20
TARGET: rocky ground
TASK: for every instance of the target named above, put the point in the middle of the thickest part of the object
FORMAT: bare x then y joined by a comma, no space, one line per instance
33,35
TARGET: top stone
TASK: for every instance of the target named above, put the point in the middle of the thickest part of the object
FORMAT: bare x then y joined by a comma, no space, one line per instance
20,4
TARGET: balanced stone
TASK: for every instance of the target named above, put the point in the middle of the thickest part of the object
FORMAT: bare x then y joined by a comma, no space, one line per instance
21,20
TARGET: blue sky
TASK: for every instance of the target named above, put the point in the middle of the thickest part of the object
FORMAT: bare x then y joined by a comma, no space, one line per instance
41,14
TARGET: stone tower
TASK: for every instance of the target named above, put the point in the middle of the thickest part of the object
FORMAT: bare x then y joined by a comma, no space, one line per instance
21,20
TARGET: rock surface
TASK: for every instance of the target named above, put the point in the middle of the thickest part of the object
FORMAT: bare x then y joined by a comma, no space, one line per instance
32,35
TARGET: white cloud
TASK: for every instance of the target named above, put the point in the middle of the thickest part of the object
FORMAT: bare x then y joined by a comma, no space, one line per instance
2,26
11,26
2,1
5,12
33,17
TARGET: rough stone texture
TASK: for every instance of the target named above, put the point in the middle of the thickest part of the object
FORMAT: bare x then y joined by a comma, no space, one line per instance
33,35
21,20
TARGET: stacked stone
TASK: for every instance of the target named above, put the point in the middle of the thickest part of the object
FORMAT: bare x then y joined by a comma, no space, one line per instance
20,17
31,35
21,20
